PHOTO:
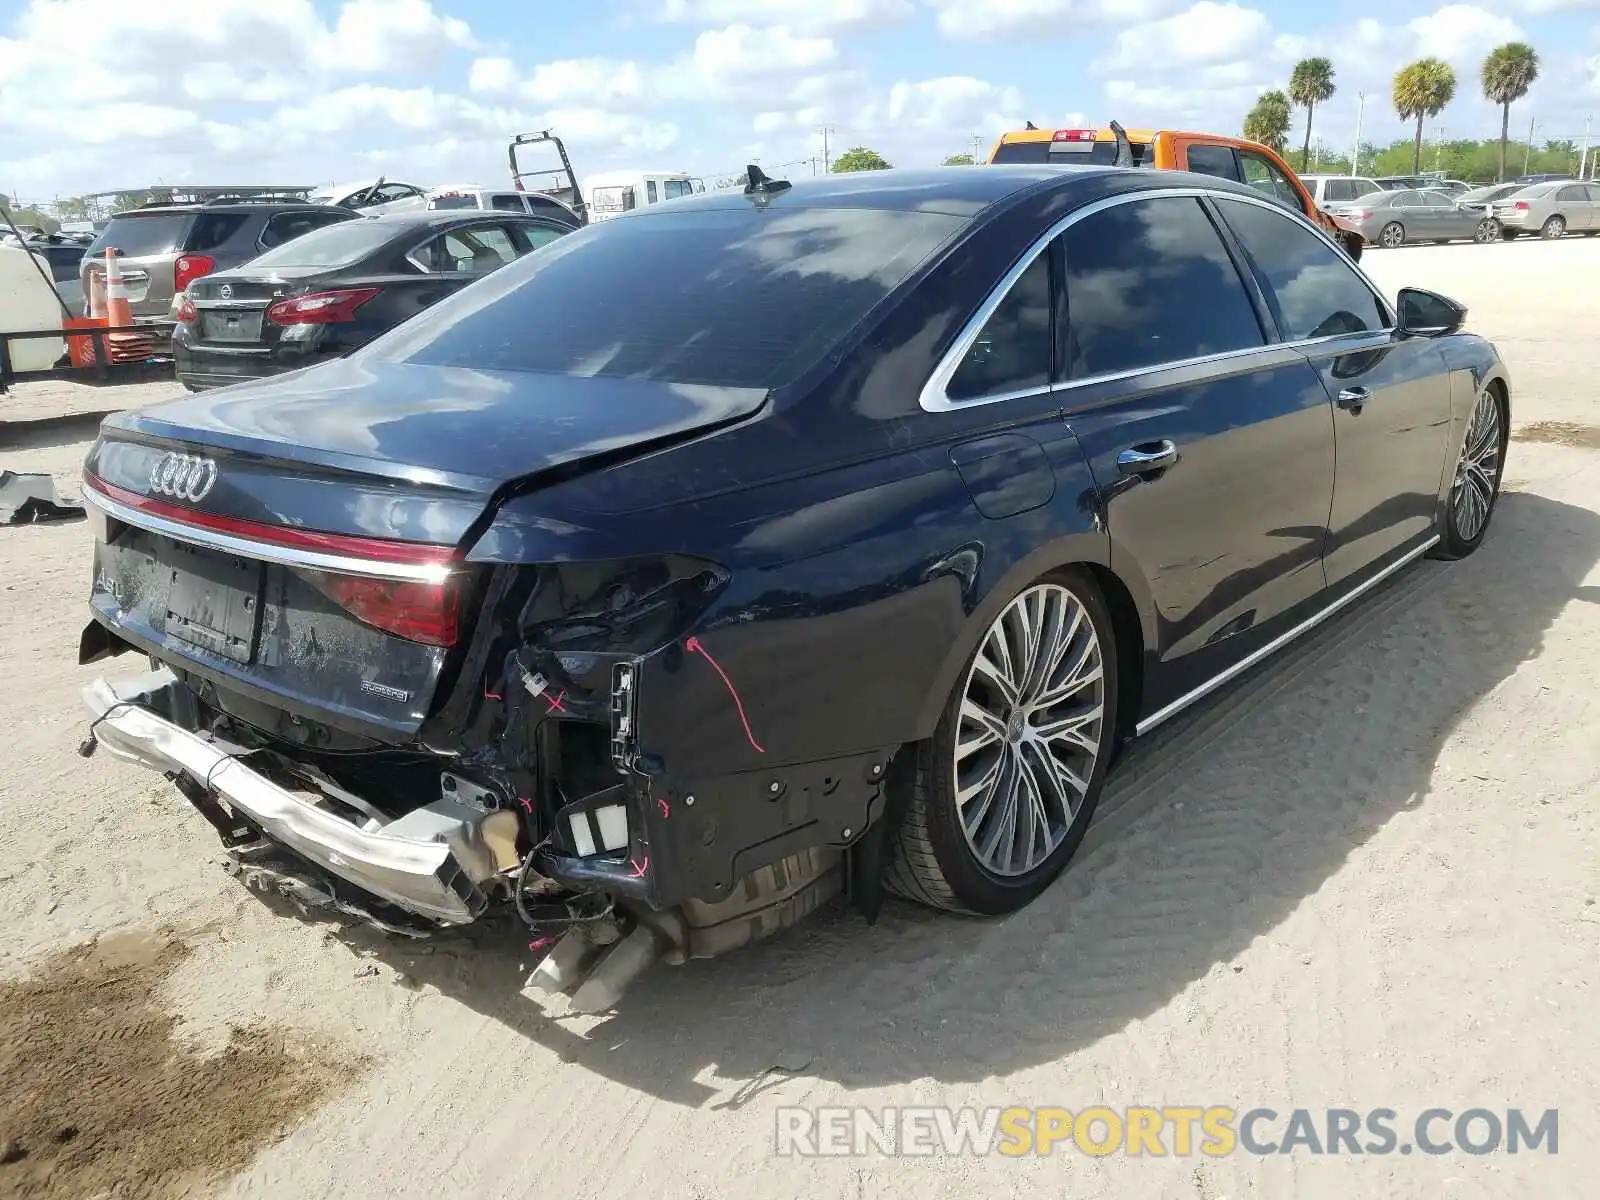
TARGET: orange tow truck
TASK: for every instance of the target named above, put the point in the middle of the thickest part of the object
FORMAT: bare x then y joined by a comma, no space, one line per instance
1174,150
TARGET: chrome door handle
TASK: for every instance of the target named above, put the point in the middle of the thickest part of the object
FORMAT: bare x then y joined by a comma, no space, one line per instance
1353,399
1147,458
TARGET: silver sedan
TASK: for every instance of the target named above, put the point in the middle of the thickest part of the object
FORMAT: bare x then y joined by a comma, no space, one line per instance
1551,210
1415,215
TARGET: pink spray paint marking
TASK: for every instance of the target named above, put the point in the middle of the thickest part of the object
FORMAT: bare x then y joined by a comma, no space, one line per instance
693,646
555,702
639,868
542,943
665,811
526,804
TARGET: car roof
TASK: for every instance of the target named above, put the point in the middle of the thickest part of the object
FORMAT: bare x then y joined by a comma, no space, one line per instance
417,218
959,191
230,206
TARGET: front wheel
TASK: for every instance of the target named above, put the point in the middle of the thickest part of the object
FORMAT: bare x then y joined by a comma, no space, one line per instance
1555,227
1477,480
1392,235
1486,231
1003,792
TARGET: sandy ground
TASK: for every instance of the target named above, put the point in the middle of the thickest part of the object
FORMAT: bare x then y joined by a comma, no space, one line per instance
1367,878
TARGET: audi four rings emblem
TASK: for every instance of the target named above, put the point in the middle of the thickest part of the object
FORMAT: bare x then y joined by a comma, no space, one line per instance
183,477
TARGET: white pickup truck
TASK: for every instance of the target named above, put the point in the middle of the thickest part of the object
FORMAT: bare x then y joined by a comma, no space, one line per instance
470,195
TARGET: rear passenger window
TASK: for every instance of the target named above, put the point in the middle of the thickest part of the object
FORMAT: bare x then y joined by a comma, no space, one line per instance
1317,291
210,230
1012,352
650,191
285,227
1339,189
1214,160
505,203
1150,282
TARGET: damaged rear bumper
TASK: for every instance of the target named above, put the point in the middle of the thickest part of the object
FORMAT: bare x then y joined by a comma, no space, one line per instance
429,863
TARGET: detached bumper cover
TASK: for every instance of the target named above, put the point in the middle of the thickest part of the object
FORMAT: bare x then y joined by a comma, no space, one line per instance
422,875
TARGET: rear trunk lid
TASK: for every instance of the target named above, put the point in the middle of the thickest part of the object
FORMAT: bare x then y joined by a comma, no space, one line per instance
299,543
150,243
231,306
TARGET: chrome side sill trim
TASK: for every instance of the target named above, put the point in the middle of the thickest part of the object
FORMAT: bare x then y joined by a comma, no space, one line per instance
1283,639
266,552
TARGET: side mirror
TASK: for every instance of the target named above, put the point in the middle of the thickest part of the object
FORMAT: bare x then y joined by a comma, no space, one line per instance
1428,314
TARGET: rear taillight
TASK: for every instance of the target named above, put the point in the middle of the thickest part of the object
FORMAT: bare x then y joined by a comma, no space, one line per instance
422,608
1360,214
1520,206
1074,135
428,613
190,267
185,310
321,308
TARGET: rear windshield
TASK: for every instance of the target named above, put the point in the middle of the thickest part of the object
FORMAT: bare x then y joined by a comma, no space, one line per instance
331,246
1066,154
729,297
139,235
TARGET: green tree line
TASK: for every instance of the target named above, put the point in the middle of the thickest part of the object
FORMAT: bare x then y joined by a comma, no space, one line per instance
1420,90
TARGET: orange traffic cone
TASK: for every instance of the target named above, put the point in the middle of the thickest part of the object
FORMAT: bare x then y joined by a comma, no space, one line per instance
124,347
82,347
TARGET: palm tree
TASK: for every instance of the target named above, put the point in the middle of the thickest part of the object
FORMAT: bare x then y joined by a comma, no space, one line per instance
1508,73
1311,84
1423,89
1268,121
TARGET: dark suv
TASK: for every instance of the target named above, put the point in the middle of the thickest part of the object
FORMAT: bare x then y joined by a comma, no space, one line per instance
165,246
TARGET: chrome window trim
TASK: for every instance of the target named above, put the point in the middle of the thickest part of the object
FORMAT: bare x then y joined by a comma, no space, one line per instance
266,552
934,397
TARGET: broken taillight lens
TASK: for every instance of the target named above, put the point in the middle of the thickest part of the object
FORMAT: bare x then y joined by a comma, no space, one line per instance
425,612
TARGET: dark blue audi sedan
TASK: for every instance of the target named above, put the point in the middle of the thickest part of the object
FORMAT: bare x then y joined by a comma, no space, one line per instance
769,542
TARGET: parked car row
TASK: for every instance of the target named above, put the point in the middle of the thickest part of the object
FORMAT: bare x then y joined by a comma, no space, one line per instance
1443,211
336,288
259,285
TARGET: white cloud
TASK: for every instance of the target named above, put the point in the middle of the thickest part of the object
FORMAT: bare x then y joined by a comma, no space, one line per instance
492,75
1207,33
1032,18
391,35
811,16
1461,32
742,51
602,82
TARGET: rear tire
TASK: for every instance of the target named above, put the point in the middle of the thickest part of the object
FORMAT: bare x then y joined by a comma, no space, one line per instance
1027,735
1509,235
1392,236
1486,231
1555,227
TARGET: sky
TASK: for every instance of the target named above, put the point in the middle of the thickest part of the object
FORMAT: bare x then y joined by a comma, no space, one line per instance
102,94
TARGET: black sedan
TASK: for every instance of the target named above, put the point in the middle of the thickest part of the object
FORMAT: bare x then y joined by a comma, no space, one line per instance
324,294
645,583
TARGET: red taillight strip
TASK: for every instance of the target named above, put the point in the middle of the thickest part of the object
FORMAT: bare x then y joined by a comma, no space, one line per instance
340,552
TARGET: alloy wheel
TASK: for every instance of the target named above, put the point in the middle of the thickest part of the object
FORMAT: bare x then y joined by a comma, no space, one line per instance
1030,729
1472,494
1393,235
1486,232
1555,227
